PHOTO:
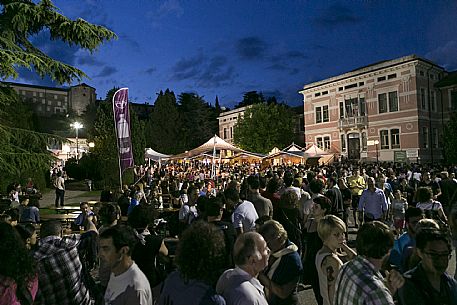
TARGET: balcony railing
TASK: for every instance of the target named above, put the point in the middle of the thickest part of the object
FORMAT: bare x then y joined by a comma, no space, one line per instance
358,121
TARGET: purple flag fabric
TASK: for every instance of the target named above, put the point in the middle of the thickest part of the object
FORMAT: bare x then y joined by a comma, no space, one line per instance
122,126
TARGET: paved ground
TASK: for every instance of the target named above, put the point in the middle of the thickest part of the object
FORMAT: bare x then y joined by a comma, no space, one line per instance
71,198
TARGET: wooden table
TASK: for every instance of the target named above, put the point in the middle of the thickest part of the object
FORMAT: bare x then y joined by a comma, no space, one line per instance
61,217
65,209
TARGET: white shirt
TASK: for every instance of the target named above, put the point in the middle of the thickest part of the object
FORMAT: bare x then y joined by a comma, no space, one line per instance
60,183
189,212
429,205
245,216
129,288
239,288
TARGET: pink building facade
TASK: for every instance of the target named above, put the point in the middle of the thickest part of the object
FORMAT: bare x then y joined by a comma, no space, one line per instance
385,111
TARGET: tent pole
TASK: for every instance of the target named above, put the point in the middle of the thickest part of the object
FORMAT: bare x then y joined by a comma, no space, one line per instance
213,167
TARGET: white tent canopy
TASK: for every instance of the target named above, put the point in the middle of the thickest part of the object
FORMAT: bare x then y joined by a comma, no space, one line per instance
314,151
293,147
213,143
150,153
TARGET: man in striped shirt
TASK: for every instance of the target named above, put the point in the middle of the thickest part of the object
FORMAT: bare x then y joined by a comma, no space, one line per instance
359,281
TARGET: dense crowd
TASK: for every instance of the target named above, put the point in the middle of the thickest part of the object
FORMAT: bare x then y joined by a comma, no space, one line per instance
246,235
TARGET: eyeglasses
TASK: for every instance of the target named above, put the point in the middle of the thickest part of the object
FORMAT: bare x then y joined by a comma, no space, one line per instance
435,255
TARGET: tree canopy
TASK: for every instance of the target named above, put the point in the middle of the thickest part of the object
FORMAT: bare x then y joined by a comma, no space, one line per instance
263,127
20,21
251,98
164,126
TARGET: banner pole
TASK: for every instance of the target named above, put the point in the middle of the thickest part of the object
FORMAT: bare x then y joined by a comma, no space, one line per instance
121,117
213,167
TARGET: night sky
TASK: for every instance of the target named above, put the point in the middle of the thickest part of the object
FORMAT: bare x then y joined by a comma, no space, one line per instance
226,48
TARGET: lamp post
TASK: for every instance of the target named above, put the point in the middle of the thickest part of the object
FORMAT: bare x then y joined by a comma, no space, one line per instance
77,126
376,142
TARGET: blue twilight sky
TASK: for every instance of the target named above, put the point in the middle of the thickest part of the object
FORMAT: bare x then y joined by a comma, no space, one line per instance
228,47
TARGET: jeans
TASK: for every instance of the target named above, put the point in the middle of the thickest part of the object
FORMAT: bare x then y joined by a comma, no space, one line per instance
60,194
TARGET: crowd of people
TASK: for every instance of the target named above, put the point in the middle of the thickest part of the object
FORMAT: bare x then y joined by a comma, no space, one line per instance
250,235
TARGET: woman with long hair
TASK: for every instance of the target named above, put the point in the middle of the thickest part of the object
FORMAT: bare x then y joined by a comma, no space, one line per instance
18,278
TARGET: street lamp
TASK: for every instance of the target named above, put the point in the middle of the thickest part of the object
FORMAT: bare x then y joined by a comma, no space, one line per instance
77,126
376,142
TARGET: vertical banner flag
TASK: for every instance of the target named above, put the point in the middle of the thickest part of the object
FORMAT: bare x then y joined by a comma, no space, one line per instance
122,126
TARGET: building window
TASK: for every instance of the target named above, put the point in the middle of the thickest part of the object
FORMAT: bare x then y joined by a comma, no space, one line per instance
48,108
341,110
41,94
433,101
34,100
393,101
382,102
421,73
231,132
454,100
363,106
318,114
388,102
384,136
225,133
55,96
364,141
320,142
435,138
343,142
34,93
381,79
424,137
327,143
325,116
392,76
43,101
395,138
350,86
423,102
352,107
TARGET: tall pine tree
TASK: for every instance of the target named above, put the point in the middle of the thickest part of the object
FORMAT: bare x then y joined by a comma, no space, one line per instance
164,126
198,119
